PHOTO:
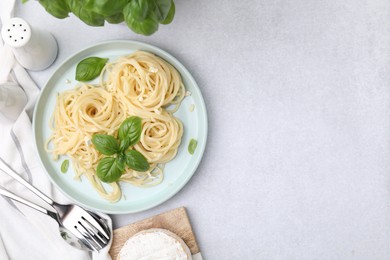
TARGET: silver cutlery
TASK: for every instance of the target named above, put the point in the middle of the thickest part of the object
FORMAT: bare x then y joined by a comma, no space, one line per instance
65,234
86,226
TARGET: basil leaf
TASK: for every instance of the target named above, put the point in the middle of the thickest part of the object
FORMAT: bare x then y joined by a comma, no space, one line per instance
106,144
146,27
105,7
170,15
192,146
90,18
64,166
57,8
85,15
121,161
161,8
129,132
139,9
116,18
89,68
136,161
109,170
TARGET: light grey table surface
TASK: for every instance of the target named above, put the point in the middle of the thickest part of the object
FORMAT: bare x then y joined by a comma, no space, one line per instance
297,164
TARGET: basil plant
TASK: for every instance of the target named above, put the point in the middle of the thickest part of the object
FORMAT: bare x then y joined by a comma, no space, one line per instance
141,16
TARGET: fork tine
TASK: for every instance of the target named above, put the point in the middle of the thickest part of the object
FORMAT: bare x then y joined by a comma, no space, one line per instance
85,240
94,231
97,225
87,236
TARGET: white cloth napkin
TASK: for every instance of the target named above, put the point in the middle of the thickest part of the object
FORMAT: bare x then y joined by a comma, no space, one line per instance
25,233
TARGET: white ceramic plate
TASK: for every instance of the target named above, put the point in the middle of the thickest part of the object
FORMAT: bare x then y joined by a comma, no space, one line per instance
176,173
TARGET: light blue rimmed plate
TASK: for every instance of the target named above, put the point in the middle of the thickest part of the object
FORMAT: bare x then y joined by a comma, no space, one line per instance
176,173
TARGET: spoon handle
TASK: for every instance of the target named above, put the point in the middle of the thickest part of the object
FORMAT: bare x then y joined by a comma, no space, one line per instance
28,203
8,170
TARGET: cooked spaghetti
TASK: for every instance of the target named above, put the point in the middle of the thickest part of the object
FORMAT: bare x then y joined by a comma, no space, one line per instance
140,84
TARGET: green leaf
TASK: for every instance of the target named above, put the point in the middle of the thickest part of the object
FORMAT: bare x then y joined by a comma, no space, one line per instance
89,68
90,18
146,27
136,161
121,161
192,146
161,8
139,9
109,169
64,166
171,14
85,15
116,18
129,132
57,8
106,144
105,7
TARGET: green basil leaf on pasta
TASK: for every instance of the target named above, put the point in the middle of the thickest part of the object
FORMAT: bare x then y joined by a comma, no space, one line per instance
136,161
192,146
89,68
106,144
109,169
121,161
65,166
129,132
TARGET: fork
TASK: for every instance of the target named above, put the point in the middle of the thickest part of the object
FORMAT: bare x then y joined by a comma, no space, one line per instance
83,242
86,226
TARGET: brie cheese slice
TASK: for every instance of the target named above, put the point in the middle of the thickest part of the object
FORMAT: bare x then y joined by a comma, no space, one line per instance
155,244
